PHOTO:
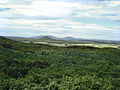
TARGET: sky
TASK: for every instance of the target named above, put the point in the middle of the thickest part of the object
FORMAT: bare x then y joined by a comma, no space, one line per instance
88,19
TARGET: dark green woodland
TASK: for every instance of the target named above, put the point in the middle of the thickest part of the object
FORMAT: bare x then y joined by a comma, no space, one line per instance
28,66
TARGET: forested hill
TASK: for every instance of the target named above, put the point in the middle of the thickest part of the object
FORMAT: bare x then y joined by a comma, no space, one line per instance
28,66
16,45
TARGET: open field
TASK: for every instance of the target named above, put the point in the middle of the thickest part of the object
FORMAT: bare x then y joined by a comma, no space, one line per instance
98,45
93,45
66,43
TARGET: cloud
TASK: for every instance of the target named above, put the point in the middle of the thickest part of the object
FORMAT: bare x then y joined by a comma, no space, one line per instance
99,9
43,8
48,8
60,17
60,27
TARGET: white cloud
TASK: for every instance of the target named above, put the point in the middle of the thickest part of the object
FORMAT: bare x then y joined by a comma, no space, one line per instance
55,25
64,9
112,3
3,1
109,10
44,8
99,9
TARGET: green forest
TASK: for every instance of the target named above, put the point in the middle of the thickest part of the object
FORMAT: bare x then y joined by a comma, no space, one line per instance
29,66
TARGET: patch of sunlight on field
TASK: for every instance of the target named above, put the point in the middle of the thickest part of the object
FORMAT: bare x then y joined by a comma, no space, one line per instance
61,45
96,45
93,45
41,42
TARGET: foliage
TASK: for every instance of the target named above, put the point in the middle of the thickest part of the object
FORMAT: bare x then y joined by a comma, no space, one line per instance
44,67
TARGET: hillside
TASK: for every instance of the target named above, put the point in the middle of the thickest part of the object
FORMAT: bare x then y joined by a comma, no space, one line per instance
43,39
69,40
21,39
44,67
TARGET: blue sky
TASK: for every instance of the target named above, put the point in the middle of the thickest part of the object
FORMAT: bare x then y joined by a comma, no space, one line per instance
89,19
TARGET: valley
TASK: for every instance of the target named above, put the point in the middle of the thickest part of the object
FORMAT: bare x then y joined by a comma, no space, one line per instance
68,41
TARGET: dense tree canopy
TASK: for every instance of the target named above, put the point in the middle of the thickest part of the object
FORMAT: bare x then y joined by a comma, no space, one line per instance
42,67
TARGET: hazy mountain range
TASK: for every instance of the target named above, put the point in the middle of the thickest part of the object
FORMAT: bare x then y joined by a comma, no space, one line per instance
46,36
50,38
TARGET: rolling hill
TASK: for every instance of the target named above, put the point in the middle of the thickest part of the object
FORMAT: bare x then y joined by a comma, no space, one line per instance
36,66
69,40
43,39
72,39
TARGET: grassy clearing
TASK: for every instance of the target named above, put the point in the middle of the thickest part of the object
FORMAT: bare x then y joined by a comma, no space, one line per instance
98,45
93,45
41,42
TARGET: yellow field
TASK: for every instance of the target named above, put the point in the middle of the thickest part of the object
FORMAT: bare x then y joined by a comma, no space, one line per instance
41,42
98,45
93,45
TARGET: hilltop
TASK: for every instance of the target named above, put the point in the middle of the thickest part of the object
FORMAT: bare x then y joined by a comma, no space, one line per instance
67,41
43,39
50,38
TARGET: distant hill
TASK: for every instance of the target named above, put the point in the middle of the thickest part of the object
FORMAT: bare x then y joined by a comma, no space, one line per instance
71,38
56,38
22,39
50,38
44,39
37,37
